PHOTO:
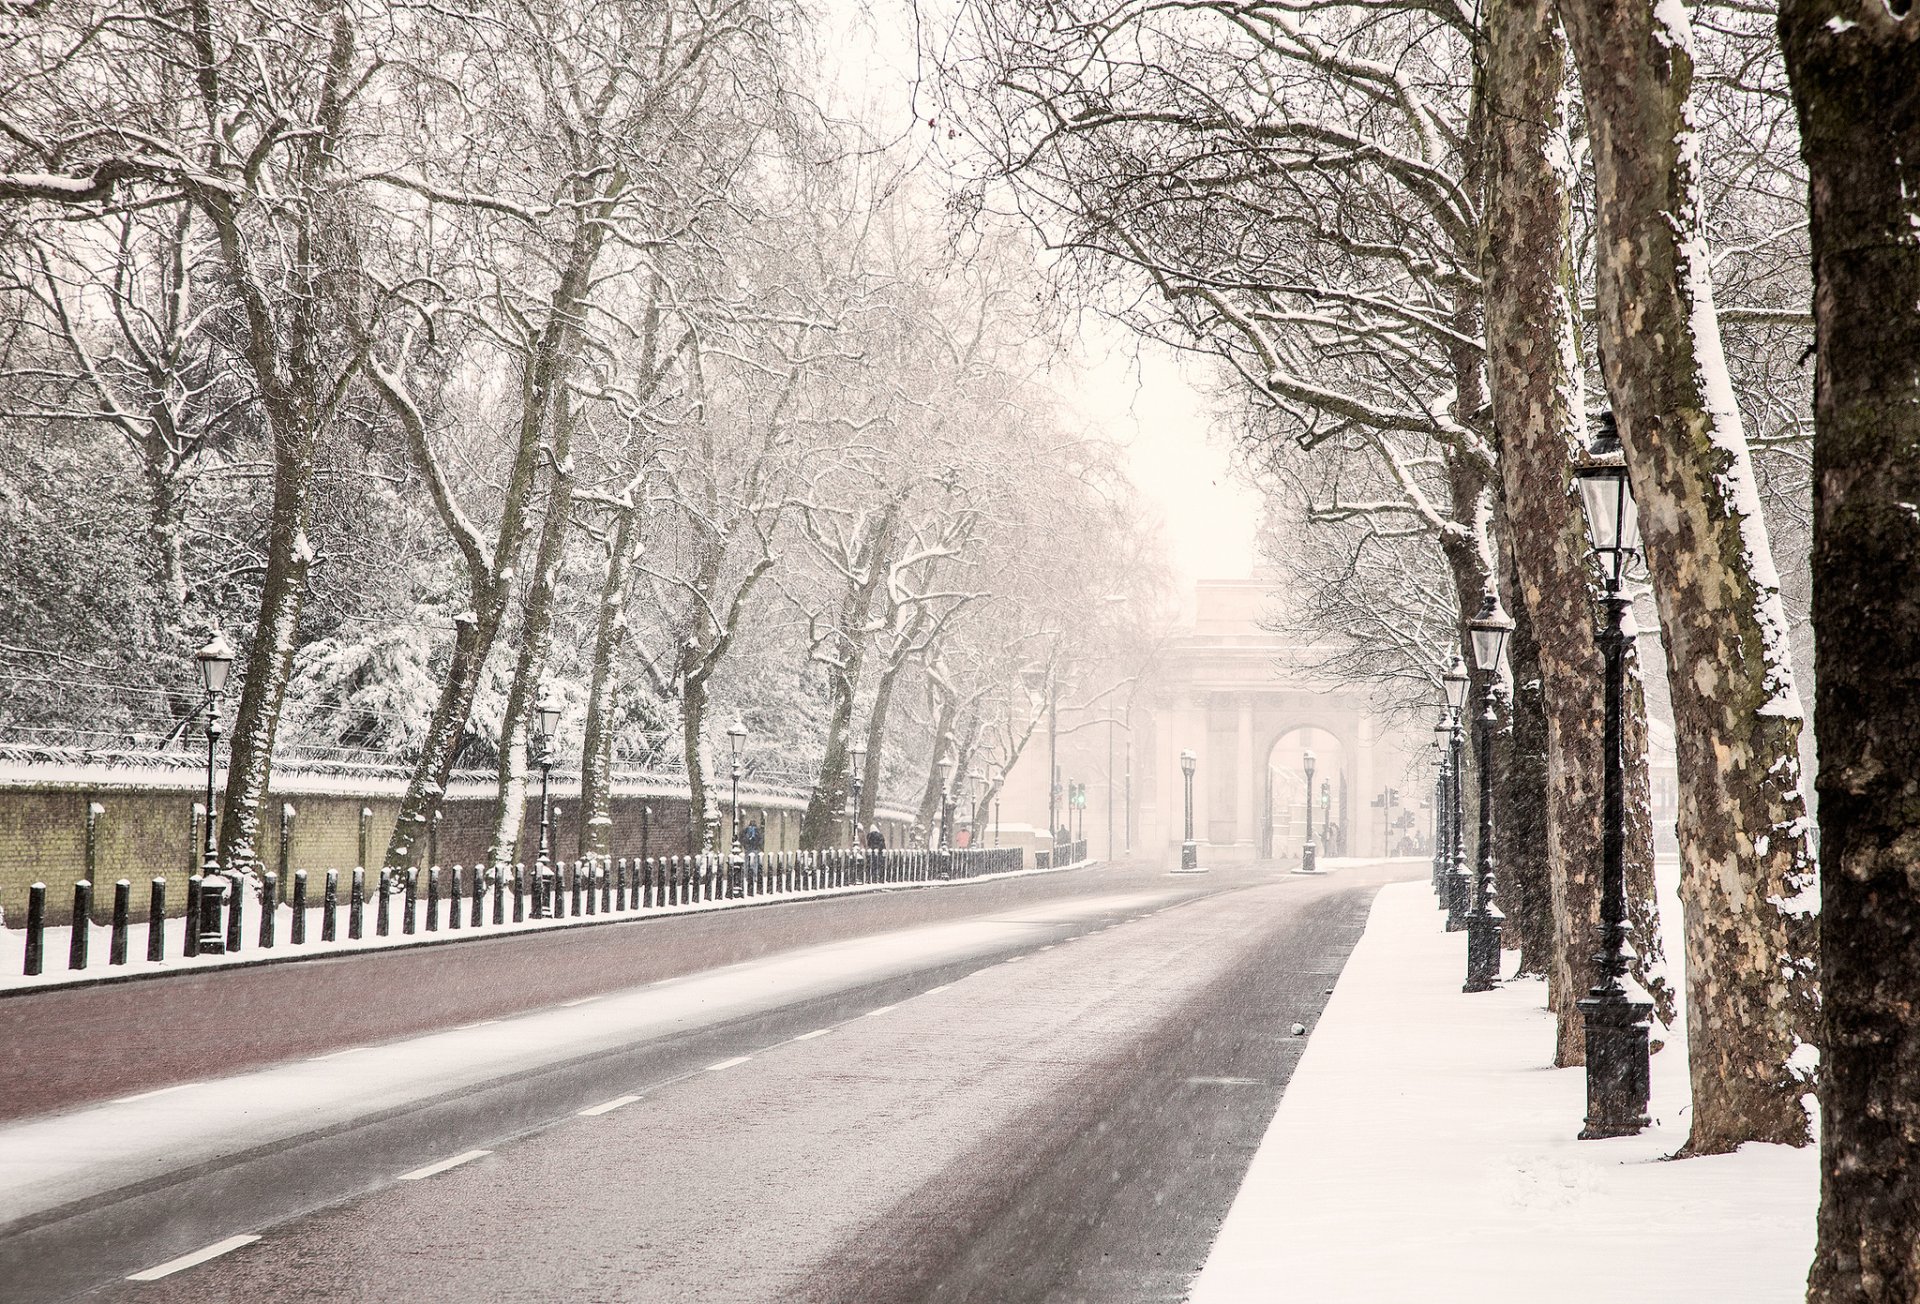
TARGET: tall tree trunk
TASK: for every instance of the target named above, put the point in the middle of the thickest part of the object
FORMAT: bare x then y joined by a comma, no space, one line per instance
693,750
925,819
871,768
1855,72
270,656
1534,366
536,638
596,752
827,804
1746,861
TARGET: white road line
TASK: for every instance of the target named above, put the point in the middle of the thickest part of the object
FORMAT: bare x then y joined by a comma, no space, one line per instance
483,1023
582,1001
817,1032
728,1063
441,1167
315,1059
607,1107
1016,960
185,1261
884,1009
941,988
149,1095
1047,947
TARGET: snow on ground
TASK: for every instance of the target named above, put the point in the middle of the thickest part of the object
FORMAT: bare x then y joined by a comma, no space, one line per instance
1425,1150
55,973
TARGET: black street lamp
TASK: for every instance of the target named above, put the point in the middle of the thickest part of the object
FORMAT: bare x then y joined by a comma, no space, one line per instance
1459,884
215,663
1309,856
858,757
946,803
1189,852
736,739
1617,1055
1489,631
546,713
1442,800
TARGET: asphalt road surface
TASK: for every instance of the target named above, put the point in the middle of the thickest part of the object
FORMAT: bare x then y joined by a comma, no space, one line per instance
1039,1089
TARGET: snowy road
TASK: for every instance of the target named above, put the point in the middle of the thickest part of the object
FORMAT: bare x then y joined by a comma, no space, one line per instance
1052,1098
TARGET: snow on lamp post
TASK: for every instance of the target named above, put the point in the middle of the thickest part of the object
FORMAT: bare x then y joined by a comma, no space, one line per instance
1617,1054
1459,885
1189,853
1309,856
859,762
546,716
1489,631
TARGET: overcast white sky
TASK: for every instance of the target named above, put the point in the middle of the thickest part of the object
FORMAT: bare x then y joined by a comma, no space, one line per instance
1139,395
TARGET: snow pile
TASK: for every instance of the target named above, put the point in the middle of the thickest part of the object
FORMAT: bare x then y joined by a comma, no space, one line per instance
1425,1151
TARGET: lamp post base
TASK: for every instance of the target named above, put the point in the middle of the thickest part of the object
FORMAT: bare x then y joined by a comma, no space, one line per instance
1459,896
1483,952
1618,1072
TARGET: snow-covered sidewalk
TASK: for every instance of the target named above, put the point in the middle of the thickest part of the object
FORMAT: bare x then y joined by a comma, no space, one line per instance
1424,1150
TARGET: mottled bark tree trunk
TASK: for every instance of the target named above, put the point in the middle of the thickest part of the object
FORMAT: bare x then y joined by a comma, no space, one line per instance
603,688
1855,70
1747,865
1534,369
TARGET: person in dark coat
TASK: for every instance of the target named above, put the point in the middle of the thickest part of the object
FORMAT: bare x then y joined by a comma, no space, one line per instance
751,838
876,840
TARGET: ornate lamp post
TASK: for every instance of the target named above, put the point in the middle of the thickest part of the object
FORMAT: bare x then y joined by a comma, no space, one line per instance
1617,1068
215,663
859,760
996,777
1459,885
1442,801
946,803
1189,852
1489,631
546,714
1309,857
736,739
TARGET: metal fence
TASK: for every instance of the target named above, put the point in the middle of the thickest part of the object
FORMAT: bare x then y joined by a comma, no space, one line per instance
432,900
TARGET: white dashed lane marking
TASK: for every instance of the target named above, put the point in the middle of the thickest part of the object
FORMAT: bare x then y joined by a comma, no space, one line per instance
433,1169
199,1256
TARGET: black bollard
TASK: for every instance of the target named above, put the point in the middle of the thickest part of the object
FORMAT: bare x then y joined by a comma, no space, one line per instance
36,928
330,906
382,911
409,902
234,884
520,893
620,883
190,944
82,917
499,894
356,897
213,902
157,921
603,873
122,907
575,885
270,890
433,899
454,900
591,883
479,898
297,933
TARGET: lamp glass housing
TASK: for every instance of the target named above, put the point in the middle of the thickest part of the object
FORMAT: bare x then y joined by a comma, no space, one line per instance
1489,631
1606,495
736,735
549,712
859,756
1188,760
215,663
1455,682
